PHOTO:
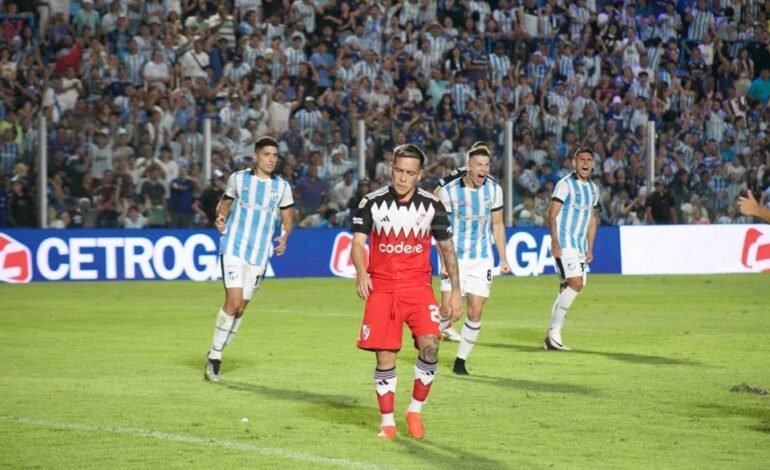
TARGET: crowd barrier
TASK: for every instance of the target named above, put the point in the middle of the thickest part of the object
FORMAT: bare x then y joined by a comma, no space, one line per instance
90,255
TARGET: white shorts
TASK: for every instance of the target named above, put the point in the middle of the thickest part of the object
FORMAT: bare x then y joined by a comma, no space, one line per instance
571,264
475,277
239,273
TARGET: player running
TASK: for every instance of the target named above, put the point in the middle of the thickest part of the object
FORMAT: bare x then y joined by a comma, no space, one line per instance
475,202
246,217
572,219
399,220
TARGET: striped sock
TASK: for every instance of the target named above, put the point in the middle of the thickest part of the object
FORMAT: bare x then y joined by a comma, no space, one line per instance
469,334
385,384
222,329
424,373
234,329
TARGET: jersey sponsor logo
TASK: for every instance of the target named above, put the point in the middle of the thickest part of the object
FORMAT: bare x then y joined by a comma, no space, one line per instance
400,248
15,261
341,262
257,207
756,250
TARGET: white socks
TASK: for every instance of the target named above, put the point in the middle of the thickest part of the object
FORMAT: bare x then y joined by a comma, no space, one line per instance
559,312
444,323
234,329
223,329
469,333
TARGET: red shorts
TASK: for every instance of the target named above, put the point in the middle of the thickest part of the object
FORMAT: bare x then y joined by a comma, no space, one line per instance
387,311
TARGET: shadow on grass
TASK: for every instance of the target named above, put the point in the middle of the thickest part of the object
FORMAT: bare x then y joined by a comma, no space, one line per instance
762,414
344,409
441,456
618,356
199,363
531,385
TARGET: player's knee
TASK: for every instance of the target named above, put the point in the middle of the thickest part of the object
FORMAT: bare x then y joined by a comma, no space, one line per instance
235,306
429,350
575,284
474,313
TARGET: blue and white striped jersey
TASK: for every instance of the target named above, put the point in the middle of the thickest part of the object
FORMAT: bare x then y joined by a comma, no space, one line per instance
579,199
470,214
250,226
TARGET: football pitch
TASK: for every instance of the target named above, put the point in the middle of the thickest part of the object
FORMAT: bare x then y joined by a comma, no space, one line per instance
665,372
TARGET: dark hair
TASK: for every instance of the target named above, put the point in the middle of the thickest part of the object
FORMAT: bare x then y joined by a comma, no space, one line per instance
265,141
409,151
583,150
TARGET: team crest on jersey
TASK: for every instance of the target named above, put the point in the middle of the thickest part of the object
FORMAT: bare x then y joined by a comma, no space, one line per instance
365,330
363,202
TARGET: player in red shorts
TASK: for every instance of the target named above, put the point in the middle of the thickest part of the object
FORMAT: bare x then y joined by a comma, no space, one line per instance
399,220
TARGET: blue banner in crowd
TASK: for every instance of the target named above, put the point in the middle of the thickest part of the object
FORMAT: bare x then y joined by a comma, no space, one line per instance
90,255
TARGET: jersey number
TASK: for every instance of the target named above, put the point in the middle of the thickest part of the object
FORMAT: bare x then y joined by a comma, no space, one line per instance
489,275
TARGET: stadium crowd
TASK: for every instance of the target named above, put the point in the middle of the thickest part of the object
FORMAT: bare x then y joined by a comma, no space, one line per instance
126,85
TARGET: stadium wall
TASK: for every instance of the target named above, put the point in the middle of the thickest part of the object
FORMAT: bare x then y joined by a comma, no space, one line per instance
90,255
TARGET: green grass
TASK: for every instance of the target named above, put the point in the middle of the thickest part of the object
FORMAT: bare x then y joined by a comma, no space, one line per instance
109,375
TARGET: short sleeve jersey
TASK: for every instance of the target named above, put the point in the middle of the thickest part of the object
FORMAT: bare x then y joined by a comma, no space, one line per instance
579,199
400,236
251,224
470,213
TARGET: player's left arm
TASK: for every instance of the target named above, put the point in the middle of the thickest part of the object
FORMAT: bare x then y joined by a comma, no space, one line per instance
287,220
451,306
591,234
498,231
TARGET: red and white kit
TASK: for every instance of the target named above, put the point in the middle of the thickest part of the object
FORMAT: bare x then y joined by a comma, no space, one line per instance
399,265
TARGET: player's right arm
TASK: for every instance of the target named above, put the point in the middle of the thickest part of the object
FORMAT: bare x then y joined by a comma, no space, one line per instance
362,224
358,253
223,207
560,193
553,212
747,205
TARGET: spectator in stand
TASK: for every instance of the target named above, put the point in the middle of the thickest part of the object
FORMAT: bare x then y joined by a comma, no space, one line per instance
21,206
153,194
180,202
660,206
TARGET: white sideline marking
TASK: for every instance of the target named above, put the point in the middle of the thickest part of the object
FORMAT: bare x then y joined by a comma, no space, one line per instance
235,445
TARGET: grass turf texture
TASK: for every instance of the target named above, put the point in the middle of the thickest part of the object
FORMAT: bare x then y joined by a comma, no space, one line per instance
100,375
